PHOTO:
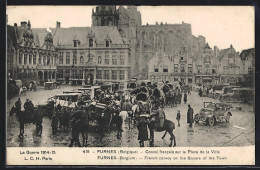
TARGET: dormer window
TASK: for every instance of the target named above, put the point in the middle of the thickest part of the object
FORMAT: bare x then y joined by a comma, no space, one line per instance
75,44
90,42
107,43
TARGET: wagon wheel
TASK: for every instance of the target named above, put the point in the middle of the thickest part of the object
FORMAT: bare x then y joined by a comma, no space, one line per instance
211,121
197,118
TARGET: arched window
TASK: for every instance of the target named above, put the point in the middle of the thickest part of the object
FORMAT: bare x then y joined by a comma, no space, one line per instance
99,60
107,43
81,60
90,42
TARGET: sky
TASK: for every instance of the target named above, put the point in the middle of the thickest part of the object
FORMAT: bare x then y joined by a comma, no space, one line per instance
221,25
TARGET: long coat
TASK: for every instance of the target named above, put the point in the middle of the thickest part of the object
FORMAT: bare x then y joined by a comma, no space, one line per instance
143,131
185,97
190,115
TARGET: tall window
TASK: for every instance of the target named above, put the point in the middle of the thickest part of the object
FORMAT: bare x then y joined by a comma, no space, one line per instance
99,60
207,70
48,60
60,73
106,74
44,60
176,68
122,59
99,74
107,43
30,59
61,58
190,68
156,69
214,69
20,58
114,75
80,74
81,60
74,73
40,59
199,69
90,42
91,58
74,58
25,59
165,69
189,80
182,68
122,75
114,59
34,59
107,58
67,57
67,72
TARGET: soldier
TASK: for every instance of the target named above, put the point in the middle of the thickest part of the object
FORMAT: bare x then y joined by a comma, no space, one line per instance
18,104
54,123
118,122
26,105
190,115
185,98
142,130
178,117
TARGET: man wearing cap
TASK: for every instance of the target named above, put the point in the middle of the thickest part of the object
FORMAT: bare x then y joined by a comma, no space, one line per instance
18,104
26,105
142,129
190,115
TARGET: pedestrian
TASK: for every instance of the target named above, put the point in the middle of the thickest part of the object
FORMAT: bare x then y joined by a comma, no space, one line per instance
18,104
185,98
119,122
189,89
142,130
178,117
200,92
54,123
190,115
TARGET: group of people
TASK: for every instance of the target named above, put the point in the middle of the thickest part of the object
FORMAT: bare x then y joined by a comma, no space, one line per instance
28,105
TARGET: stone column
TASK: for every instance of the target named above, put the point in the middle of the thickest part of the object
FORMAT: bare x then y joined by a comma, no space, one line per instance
126,78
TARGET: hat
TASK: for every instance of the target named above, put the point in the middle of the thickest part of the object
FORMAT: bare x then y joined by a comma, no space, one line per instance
144,115
188,104
27,99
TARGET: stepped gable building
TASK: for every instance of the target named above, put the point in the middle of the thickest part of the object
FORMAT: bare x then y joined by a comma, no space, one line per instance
117,47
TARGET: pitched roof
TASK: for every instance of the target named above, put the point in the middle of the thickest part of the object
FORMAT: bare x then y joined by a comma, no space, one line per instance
245,53
11,37
65,36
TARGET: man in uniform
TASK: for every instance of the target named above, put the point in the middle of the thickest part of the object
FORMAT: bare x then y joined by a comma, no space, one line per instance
27,105
18,104
190,116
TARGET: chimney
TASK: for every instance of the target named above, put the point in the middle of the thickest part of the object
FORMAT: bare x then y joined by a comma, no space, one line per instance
57,24
24,24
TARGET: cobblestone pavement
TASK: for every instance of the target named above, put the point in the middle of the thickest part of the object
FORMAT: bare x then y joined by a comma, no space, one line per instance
239,132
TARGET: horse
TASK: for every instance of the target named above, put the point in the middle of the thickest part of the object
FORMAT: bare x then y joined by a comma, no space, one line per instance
168,126
80,124
26,117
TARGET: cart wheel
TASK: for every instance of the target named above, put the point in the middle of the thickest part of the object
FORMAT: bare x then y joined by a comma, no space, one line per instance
197,118
211,121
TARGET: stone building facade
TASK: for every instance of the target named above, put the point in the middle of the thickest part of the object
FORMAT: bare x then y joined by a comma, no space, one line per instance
208,66
117,47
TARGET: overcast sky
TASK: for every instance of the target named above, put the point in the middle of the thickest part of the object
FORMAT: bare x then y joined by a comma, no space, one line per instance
221,26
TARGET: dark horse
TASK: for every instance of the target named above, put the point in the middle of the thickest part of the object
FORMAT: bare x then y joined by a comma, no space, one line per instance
80,124
168,126
25,117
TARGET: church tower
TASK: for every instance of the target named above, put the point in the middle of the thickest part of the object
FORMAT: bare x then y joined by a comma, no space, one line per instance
105,15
